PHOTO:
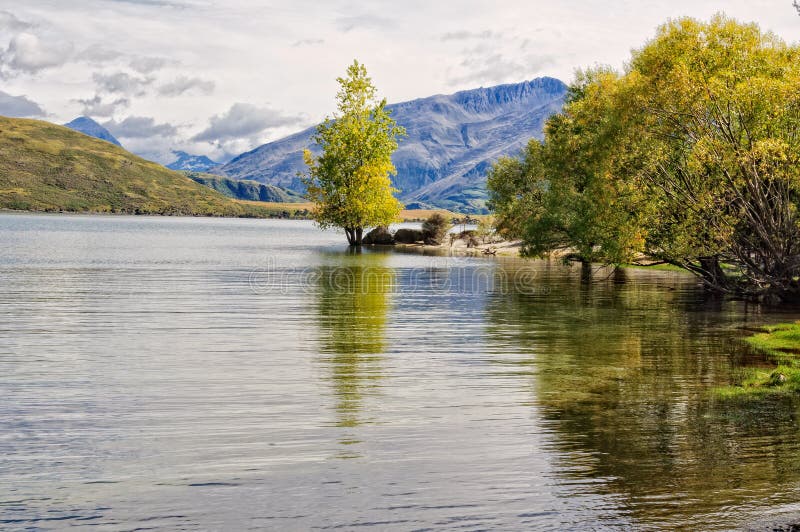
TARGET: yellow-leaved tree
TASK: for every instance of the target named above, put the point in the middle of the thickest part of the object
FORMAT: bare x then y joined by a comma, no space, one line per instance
349,182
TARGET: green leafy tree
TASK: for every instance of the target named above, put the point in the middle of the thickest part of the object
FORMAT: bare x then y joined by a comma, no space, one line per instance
349,181
691,156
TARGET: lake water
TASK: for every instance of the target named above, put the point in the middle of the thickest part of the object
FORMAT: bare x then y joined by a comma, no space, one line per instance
218,374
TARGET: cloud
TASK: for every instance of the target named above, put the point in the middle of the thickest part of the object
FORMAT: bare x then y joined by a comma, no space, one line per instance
183,84
496,68
469,35
97,106
97,54
367,22
18,106
152,3
27,54
244,120
9,22
121,83
148,65
308,42
138,127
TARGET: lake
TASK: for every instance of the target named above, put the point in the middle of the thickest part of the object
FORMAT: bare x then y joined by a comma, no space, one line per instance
224,374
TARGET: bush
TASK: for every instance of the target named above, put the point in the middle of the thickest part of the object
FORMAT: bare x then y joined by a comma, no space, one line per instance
434,229
379,236
408,236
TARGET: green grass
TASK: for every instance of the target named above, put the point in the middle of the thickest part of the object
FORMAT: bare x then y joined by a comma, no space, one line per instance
781,344
45,167
659,267
780,341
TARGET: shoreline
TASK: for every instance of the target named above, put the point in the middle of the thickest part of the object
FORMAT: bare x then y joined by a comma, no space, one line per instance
407,216
507,248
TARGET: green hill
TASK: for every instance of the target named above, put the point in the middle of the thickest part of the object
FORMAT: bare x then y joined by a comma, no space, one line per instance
246,190
45,167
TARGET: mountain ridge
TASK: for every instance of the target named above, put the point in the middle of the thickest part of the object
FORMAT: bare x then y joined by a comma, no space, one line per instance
87,126
191,163
452,140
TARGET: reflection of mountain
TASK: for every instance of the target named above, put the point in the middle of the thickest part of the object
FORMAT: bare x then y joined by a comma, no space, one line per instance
353,301
623,377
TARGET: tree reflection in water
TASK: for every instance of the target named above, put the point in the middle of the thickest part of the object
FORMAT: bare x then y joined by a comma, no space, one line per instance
353,299
623,374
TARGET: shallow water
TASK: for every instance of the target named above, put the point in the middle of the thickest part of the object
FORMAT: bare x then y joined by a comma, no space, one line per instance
216,374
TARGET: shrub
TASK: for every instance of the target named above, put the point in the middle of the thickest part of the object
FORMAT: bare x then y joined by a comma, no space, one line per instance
434,229
408,236
379,236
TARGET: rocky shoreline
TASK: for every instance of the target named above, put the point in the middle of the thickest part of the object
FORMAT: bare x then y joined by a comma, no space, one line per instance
465,243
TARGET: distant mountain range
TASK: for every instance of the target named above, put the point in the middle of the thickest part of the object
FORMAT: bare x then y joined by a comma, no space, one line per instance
191,163
452,141
87,126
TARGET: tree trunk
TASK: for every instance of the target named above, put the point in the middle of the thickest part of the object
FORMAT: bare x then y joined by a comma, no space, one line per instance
712,273
354,235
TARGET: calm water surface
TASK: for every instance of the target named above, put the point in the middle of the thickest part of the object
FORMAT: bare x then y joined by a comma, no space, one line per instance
202,374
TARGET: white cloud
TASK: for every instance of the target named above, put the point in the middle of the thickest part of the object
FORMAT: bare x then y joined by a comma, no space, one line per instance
183,84
98,54
139,127
121,83
100,107
26,53
148,65
244,120
9,22
364,22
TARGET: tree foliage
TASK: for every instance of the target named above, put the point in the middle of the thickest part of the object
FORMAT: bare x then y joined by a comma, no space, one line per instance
690,156
435,228
350,181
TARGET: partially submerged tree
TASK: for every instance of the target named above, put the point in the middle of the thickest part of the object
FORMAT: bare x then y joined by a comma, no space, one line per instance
349,181
692,156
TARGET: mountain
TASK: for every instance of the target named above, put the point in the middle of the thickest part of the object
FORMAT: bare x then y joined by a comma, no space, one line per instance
191,163
246,190
46,167
87,126
452,140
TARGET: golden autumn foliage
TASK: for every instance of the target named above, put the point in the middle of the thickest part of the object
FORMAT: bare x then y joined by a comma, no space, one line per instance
349,182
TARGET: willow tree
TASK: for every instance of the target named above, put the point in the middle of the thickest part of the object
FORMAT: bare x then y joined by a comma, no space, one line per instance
350,181
691,156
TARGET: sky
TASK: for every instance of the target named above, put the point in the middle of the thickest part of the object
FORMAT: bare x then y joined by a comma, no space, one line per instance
219,78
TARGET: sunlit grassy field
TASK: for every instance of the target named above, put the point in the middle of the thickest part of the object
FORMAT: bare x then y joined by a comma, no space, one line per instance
45,167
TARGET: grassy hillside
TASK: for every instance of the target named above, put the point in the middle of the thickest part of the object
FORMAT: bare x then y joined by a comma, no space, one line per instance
245,190
45,167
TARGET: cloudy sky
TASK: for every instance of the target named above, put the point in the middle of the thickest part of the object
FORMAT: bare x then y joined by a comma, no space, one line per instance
221,77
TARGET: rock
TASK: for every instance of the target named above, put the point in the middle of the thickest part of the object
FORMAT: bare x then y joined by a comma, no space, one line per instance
408,236
777,378
380,236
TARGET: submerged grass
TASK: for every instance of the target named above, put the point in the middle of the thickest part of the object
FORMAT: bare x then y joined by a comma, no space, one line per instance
781,344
